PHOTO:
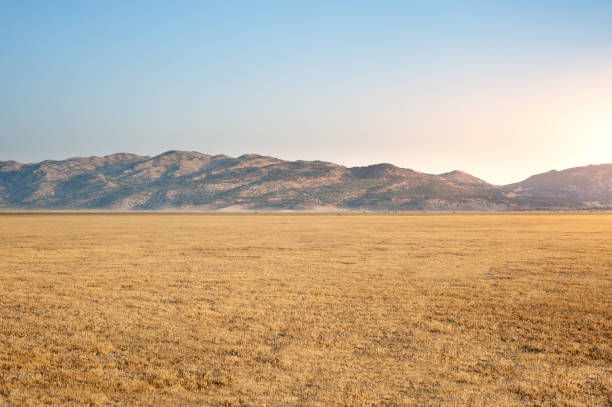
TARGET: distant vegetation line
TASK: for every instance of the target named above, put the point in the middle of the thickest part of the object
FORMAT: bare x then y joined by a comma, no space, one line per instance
181,180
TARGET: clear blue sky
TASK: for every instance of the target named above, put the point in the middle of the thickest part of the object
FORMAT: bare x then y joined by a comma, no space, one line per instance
501,89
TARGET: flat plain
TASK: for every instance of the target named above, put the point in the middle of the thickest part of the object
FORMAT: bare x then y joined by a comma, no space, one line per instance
306,310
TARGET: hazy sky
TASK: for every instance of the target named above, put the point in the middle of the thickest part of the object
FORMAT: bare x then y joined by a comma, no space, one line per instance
499,89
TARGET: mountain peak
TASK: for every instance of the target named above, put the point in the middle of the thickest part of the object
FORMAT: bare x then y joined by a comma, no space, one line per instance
181,154
462,177
250,156
380,170
124,156
591,183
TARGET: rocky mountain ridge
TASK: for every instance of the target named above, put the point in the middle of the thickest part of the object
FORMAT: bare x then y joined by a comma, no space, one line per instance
181,180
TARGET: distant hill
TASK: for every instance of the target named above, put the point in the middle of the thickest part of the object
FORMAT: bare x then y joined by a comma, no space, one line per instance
590,185
190,180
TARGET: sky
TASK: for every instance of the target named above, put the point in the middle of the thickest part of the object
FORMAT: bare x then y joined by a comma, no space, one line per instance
499,89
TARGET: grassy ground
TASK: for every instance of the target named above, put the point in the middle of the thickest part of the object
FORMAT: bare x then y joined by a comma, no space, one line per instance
313,310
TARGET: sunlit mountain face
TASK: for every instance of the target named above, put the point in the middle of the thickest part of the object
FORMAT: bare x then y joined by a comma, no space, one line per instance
179,180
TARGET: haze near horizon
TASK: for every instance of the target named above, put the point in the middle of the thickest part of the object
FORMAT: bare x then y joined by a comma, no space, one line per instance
501,90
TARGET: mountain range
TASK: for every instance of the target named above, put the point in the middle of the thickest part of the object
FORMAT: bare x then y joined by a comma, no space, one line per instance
180,180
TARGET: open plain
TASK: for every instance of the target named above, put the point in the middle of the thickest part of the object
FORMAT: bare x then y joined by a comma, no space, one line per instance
312,310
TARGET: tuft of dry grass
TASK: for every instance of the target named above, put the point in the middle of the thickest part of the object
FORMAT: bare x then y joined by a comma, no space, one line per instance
312,310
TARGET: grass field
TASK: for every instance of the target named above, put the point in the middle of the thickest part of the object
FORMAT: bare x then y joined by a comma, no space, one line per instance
313,310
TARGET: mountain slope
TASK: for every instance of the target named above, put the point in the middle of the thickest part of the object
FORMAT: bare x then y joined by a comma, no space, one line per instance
191,180
590,185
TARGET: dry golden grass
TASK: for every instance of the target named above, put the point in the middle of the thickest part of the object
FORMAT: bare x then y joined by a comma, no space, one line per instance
313,310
